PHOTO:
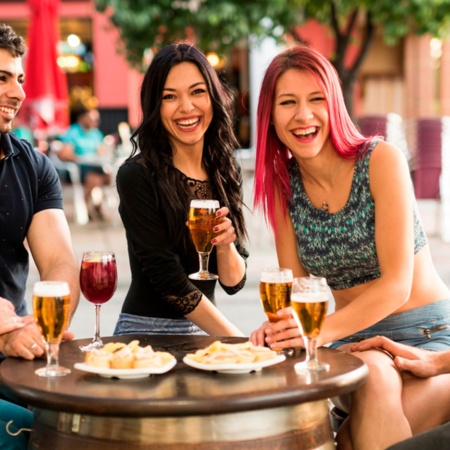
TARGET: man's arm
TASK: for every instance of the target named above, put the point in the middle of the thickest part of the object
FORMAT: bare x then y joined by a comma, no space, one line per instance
422,363
51,247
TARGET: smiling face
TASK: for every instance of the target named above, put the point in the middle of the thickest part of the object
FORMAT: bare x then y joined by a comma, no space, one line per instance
11,90
300,114
186,108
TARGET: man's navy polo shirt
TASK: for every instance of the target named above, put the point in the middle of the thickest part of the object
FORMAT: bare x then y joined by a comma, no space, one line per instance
28,184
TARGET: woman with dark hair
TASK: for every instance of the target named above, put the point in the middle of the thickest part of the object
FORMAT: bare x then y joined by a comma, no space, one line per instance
342,207
182,150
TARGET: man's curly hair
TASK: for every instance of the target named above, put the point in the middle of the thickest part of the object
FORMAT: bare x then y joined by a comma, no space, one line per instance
11,41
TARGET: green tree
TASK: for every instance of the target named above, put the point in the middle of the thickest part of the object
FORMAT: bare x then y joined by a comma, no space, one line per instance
218,24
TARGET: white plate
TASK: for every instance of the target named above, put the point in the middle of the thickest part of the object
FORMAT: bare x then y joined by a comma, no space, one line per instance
126,374
234,368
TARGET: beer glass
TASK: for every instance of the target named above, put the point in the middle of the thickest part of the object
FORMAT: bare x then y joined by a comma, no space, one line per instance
51,311
275,291
98,282
309,302
202,220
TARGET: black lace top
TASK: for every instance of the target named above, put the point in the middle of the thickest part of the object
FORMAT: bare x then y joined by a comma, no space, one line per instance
200,189
341,246
160,286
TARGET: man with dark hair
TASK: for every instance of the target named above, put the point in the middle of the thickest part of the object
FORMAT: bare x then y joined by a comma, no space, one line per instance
31,211
31,218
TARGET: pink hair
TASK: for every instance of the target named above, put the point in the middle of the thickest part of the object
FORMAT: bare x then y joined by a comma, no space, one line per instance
272,156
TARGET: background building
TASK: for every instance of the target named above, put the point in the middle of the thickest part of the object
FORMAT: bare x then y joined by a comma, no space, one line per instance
408,79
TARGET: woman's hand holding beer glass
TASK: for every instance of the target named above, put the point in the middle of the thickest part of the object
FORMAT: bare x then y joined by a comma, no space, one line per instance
209,227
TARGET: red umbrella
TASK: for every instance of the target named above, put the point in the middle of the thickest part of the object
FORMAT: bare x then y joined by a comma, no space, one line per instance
47,102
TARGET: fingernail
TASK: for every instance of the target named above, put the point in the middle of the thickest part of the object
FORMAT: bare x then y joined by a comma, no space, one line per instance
218,213
214,241
216,229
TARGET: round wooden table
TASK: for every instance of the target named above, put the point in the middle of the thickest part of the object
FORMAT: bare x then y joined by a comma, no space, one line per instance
185,408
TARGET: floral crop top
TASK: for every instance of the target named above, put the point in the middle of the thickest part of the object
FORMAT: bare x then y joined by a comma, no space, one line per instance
341,246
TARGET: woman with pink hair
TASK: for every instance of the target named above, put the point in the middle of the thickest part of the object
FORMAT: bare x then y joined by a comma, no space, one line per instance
342,206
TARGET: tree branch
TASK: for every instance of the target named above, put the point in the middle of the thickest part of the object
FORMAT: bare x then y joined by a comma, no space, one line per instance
367,40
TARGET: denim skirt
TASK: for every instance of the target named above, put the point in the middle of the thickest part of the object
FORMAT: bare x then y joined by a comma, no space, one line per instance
426,327
132,324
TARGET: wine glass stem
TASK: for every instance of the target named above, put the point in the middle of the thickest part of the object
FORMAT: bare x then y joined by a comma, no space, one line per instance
203,258
310,348
97,323
52,354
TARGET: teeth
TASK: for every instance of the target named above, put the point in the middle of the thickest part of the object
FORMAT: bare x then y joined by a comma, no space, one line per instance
305,131
6,110
188,122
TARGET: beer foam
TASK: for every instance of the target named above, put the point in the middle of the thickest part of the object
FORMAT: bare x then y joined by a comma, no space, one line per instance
276,277
207,204
51,289
309,297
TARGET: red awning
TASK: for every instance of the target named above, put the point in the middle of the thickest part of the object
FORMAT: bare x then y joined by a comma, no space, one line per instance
47,103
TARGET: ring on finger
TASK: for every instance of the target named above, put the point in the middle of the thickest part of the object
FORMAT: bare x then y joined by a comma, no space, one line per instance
33,346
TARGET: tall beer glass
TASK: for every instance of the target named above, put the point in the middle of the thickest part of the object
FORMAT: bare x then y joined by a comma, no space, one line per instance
275,291
309,301
51,310
202,220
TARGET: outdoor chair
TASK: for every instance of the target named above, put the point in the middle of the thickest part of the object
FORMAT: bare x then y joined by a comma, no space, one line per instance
68,169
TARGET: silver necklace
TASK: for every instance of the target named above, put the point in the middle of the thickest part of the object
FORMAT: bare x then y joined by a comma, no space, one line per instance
325,206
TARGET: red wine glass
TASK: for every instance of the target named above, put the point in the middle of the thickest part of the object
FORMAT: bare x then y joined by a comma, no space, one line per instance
98,282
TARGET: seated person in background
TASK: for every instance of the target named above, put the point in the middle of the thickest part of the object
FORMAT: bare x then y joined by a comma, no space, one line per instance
22,131
422,364
83,143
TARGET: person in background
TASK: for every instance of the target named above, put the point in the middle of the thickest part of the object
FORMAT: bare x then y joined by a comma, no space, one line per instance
84,143
422,364
31,220
22,131
342,207
182,149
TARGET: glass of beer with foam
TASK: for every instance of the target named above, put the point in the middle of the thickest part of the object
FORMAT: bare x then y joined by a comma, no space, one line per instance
309,302
202,220
275,294
275,291
51,310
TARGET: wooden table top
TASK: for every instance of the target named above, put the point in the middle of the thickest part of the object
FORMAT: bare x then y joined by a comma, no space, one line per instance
183,390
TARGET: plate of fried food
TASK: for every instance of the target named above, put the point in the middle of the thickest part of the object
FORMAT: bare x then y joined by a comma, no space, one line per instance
233,358
126,361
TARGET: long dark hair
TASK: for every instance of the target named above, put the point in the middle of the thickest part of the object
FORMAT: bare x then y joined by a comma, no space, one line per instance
150,138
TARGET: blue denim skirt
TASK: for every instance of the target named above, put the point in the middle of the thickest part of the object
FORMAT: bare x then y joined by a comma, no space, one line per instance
132,324
426,327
